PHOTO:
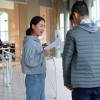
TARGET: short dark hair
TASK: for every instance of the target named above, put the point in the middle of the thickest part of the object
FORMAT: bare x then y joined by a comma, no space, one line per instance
71,17
80,7
35,20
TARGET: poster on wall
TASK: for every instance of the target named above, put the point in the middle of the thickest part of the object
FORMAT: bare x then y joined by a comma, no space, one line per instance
18,1
58,48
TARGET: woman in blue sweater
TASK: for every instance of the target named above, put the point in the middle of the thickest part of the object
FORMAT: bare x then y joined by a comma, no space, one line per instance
33,60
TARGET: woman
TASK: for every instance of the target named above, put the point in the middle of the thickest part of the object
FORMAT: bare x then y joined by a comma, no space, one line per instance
33,60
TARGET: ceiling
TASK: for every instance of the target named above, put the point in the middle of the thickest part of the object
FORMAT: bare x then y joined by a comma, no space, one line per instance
6,4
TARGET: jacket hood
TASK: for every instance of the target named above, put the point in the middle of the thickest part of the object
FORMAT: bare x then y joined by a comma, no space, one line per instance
28,38
88,25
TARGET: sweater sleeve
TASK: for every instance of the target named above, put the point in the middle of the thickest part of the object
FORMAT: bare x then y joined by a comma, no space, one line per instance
67,59
33,59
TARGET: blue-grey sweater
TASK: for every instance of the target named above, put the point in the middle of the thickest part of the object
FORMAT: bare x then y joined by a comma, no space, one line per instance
81,56
33,60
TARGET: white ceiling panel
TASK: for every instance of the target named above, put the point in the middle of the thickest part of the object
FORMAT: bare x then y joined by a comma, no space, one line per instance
6,4
19,1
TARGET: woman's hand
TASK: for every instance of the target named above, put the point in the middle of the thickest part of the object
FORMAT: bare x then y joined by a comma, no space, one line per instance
46,52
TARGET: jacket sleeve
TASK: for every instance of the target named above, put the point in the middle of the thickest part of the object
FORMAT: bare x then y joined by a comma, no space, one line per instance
67,56
33,59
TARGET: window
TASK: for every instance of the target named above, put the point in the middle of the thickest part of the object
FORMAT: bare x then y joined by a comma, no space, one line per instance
4,26
96,11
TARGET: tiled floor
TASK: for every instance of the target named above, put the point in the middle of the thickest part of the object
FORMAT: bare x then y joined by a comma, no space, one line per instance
16,90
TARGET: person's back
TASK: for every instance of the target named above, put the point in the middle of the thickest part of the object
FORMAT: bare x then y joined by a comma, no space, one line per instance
86,60
81,56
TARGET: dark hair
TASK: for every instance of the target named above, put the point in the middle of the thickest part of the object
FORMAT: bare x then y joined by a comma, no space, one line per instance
80,7
35,20
71,17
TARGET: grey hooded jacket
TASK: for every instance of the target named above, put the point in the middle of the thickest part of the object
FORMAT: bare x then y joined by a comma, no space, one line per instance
33,60
81,56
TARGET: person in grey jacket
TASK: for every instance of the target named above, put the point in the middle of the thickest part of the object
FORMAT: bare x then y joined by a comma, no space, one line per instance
33,60
81,56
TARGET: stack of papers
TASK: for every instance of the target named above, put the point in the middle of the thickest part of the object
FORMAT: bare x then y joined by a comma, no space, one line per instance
53,44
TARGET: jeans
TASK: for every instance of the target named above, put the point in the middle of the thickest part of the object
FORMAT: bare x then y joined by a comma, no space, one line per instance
35,86
86,94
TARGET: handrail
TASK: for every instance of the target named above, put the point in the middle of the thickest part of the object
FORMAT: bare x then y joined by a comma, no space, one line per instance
8,60
3,58
6,76
3,49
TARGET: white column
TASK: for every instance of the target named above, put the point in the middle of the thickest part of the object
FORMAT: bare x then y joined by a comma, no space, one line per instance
65,17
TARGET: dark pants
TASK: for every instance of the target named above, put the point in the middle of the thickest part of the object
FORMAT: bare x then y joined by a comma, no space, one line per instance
86,94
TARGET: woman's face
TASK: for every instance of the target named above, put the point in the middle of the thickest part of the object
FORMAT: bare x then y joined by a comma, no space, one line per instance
38,28
73,23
